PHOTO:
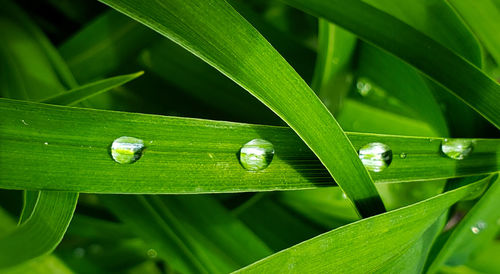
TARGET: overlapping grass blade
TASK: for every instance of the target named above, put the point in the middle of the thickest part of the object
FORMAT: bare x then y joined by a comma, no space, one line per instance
248,59
84,92
181,155
482,17
380,243
444,66
479,227
42,232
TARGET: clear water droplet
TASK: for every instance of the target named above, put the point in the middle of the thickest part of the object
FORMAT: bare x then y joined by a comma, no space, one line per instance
456,149
364,88
24,122
152,253
480,226
402,155
256,154
375,156
127,150
46,143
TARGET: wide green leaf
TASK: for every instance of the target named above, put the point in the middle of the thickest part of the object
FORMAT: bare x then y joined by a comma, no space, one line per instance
42,232
381,243
249,60
444,66
181,155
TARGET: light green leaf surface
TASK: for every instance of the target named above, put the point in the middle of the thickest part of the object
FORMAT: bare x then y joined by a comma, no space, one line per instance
483,18
249,60
444,66
380,243
84,92
42,232
186,155
479,227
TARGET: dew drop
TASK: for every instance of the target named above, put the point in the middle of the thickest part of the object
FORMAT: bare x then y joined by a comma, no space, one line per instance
256,154
127,150
46,143
402,155
24,123
152,253
364,88
375,156
456,149
79,252
480,226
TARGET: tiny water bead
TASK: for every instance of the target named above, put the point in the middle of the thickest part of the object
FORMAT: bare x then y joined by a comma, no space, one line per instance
152,253
127,150
402,155
477,228
256,154
364,87
375,156
456,149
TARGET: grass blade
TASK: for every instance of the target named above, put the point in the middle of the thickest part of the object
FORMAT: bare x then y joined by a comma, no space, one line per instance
367,245
248,59
181,155
42,232
448,69
84,92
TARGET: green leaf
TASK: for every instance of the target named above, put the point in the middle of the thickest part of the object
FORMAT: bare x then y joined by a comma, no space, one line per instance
380,243
248,59
482,17
64,148
444,66
479,227
84,92
42,232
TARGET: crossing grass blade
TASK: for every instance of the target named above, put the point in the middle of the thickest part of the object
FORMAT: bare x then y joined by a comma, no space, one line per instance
79,94
42,232
249,60
444,66
384,242
181,155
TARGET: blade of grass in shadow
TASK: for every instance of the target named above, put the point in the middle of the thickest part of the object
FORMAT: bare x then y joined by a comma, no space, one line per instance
248,59
444,66
42,232
479,227
379,243
84,92
55,142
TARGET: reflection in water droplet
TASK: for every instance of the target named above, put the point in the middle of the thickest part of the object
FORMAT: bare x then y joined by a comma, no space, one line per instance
46,143
456,149
127,150
375,156
24,122
152,253
480,226
256,154
402,155
364,88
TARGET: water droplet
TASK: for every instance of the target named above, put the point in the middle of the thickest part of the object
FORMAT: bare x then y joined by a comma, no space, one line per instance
127,150
24,122
256,154
480,226
46,143
344,196
375,156
79,252
152,253
364,88
402,155
456,149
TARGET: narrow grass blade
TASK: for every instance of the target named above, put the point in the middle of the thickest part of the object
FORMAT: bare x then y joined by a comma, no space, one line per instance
247,58
182,157
444,66
479,227
42,232
29,202
482,17
84,92
377,243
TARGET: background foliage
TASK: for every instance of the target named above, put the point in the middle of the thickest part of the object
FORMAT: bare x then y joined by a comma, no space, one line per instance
196,80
